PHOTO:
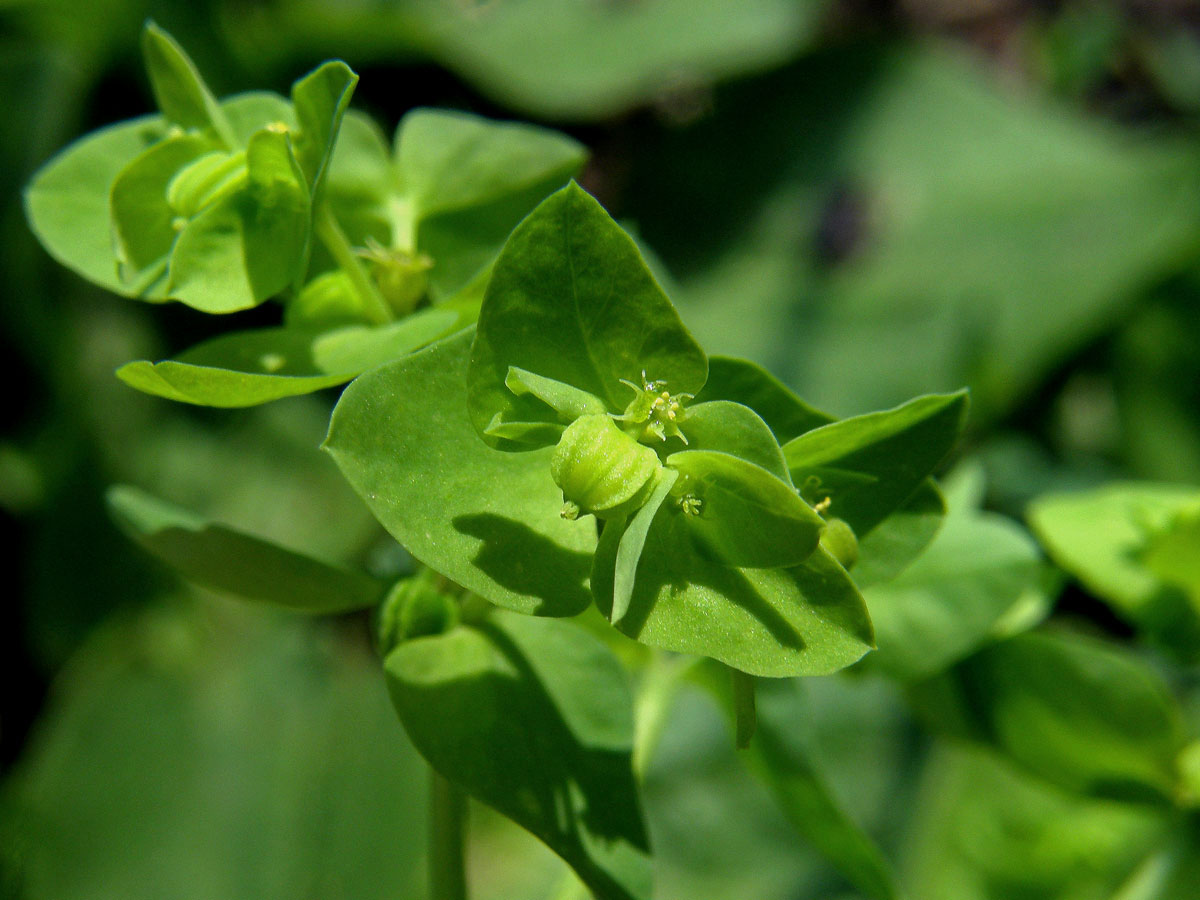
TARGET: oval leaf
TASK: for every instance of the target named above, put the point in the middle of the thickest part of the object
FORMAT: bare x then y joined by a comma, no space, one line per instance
747,517
534,718
234,562
489,520
571,299
252,367
898,448
805,620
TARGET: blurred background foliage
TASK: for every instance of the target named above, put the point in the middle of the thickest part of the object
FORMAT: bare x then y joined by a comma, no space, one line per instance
873,199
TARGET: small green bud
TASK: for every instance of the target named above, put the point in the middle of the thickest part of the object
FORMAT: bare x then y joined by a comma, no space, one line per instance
414,608
601,470
402,277
839,540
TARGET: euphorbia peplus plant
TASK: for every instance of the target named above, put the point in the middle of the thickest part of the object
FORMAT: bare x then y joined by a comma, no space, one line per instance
575,449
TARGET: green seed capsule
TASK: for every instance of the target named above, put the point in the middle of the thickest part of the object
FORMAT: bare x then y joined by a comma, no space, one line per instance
602,470
838,538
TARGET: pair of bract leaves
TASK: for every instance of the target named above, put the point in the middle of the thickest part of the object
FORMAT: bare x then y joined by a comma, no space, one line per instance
572,310
222,205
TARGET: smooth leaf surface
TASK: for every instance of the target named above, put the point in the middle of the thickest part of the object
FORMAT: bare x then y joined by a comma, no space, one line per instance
571,299
534,718
450,160
580,61
142,217
252,367
181,94
747,517
217,752
899,539
1174,554
806,620
947,602
67,200
251,245
727,427
898,448
632,541
231,561
1089,717
751,385
1099,537
489,520
320,99
984,830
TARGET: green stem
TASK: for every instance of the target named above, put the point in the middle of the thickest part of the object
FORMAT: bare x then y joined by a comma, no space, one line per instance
447,840
331,235
745,711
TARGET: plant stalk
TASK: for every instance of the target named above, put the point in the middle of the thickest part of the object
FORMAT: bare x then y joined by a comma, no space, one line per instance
447,840
331,235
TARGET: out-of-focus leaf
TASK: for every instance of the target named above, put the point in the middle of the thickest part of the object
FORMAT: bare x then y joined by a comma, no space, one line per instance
1101,536
1088,717
591,60
533,717
947,603
182,96
942,218
984,831
234,562
216,754
779,755
67,200
320,99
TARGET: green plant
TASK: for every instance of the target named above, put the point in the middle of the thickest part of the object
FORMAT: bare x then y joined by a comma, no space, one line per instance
582,489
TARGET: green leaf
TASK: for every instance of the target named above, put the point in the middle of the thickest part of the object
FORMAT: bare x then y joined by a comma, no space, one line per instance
732,428
1086,716
250,245
534,718
981,829
804,620
252,367
632,540
571,299
1100,537
234,562
1174,554
898,448
452,160
899,539
781,756
142,218
948,602
569,402
747,517
67,202
469,181
595,61
320,99
179,91
486,519
217,752
751,385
